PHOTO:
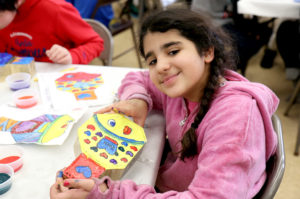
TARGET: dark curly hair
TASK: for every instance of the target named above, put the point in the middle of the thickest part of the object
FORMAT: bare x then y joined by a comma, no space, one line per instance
8,5
200,30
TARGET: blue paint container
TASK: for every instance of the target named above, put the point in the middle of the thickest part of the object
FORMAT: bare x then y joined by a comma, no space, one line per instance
6,174
17,81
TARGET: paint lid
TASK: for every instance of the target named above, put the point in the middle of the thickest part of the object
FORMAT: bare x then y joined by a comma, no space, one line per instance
6,174
25,98
12,156
17,81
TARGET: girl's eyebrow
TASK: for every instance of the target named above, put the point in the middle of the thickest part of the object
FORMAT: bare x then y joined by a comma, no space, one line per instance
166,45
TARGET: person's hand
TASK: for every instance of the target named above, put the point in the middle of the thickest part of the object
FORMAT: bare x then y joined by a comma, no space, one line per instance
57,193
59,54
76,189
135,108
59,181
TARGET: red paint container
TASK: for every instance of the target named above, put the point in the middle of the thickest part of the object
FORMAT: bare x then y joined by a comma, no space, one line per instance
12,155
25,98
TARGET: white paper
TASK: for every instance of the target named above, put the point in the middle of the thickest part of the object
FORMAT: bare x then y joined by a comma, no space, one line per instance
58,99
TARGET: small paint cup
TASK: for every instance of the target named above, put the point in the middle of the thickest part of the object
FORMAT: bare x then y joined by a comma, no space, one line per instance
25,98
6,174
12,155
17,81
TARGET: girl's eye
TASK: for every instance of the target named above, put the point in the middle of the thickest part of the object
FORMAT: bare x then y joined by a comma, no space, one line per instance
152,62
173,52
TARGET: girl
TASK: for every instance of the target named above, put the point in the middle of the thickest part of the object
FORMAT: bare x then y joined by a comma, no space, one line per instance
218,124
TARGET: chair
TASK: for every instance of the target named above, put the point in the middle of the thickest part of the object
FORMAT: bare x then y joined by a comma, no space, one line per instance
297,141
275,166
124,23
291,101
293,98
106,54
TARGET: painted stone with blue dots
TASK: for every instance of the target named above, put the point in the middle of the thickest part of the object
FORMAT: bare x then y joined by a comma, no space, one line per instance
112,141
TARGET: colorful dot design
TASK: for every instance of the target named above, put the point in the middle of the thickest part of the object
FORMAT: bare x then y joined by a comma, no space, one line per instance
81,84
111,140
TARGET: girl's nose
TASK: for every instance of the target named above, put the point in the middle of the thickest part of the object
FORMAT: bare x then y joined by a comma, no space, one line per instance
162,65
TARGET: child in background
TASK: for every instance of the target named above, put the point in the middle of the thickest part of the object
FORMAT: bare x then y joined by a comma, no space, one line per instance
48,30
104,14
218,124
288,40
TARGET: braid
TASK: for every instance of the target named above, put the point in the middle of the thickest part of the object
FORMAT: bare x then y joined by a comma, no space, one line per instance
189,140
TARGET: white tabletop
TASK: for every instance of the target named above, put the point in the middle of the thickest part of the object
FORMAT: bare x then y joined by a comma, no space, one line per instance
270,8
42,162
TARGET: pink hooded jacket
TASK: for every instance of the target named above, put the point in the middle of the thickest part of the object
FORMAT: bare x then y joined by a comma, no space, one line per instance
235,139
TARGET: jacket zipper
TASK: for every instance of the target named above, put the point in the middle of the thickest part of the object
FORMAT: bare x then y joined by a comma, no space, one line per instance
182,122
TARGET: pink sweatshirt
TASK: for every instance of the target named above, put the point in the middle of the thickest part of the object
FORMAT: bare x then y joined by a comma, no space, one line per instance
235,139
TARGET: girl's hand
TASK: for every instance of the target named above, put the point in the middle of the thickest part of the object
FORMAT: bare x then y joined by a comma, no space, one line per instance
77,189
56,193
135,108
59,54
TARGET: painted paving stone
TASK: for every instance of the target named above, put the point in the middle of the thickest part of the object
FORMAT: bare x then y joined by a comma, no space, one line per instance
110,140
81,84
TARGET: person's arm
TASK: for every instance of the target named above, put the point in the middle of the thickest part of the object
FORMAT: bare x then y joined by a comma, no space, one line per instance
138,85
138,96
86,44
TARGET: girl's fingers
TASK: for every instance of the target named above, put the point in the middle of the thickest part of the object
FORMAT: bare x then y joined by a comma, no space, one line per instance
135,108
55,193
140,122
85,184
104,110
59,181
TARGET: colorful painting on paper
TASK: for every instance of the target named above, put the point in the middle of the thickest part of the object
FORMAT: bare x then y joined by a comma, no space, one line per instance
41,129
81,84
111,140
83,167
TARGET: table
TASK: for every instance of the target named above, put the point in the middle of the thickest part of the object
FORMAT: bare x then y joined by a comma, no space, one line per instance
270,8
42,162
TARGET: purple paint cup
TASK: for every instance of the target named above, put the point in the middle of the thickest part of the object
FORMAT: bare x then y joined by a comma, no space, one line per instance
17,81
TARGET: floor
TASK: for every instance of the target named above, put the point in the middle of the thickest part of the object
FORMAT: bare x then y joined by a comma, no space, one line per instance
274,78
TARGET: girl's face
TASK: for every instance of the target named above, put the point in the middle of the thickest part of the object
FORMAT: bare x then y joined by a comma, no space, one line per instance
6,17
175,66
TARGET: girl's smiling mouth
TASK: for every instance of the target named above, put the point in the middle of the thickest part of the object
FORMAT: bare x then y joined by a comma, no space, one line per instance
167,81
